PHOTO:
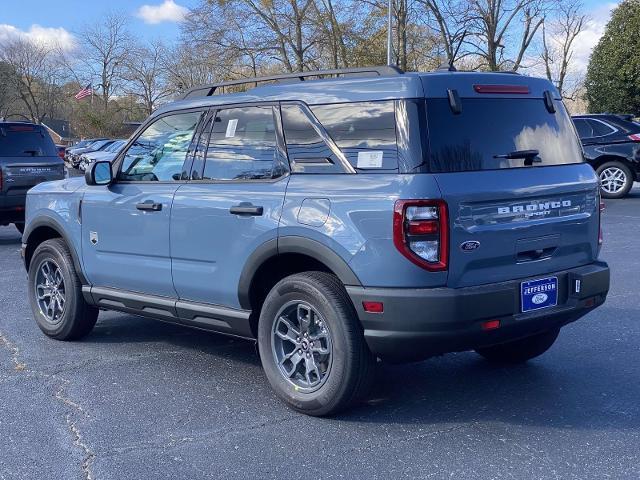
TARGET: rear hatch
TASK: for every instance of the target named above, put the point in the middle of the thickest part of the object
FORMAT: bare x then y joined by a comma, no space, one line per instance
509,165
28,156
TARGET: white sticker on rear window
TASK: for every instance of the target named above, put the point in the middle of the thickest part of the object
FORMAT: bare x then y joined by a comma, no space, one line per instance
231,128
371,159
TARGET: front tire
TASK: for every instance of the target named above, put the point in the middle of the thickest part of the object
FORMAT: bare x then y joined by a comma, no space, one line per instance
615,178
520,351
55,292
312,345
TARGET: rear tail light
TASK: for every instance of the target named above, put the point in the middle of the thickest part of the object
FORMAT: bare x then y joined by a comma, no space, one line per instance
421,232
635,137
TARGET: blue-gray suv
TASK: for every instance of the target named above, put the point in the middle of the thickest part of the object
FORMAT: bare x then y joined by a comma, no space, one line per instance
334,217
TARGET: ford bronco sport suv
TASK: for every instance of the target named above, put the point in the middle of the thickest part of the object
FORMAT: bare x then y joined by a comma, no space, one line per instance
28,156
370,214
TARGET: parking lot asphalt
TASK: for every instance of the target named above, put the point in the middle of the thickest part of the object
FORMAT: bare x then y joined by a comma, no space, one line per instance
143,399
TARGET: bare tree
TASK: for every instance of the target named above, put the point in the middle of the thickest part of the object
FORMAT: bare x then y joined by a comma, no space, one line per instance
496,22
559,33
106,46
32,73
146,75
450,19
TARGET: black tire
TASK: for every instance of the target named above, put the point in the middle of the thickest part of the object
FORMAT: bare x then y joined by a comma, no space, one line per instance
20,227
617,191
77,318
522,350
350,374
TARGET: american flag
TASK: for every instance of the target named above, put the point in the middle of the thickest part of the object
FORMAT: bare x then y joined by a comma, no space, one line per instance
85,92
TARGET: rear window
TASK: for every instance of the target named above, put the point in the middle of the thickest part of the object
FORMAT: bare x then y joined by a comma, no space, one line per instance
26,141
489,128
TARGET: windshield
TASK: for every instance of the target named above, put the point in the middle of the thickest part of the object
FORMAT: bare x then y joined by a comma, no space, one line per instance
495,133
26,141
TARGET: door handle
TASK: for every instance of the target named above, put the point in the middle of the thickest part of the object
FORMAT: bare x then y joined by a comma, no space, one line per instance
149,206
246,209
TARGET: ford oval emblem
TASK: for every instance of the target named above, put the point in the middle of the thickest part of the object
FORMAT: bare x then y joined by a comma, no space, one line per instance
469,245
539,298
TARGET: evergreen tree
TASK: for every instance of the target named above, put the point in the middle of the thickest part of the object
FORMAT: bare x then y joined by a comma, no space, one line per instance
613,75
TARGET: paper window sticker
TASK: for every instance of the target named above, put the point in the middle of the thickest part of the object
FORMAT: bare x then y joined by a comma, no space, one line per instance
231,128
371,159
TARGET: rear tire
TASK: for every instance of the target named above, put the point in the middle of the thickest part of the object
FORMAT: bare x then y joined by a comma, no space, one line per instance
20,227
615,178
520,351
303,315
55,292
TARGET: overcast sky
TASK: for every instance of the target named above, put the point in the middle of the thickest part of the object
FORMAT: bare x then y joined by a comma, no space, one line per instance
58,19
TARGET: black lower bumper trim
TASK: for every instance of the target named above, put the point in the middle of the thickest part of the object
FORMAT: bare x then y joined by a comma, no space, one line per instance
419,323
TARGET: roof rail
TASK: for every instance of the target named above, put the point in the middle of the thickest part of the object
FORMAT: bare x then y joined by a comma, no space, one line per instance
210,89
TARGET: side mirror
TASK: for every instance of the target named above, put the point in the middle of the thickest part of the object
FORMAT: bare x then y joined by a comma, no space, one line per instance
99,173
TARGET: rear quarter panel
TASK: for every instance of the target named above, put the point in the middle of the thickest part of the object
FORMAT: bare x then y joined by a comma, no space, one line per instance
353,216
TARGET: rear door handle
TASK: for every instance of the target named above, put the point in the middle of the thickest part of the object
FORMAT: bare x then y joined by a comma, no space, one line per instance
150,206
246,209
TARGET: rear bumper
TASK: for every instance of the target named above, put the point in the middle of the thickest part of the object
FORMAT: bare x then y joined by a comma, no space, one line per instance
419,323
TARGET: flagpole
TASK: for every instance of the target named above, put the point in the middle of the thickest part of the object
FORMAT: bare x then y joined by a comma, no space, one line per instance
389,27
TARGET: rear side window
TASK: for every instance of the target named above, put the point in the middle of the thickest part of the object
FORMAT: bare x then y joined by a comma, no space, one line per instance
307,150
583,127
488,129
242,145
600,129
364,131
26,141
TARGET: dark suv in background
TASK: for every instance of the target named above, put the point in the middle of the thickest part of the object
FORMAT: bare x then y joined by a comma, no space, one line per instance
28,156
611,145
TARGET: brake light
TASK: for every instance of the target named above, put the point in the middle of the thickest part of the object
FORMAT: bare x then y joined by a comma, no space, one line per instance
506,89
421,232
635,137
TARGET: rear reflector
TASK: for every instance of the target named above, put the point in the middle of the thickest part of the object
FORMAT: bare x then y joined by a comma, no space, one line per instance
491,325
505,89
635,137
373,307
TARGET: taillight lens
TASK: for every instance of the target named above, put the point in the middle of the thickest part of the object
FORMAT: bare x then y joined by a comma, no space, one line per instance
635,137
421,232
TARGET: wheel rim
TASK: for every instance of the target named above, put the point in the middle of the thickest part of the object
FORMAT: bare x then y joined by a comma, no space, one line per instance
50,291
301,345
613,180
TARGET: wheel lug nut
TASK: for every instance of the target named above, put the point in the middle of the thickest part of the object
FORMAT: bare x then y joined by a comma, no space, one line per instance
308,355
299,352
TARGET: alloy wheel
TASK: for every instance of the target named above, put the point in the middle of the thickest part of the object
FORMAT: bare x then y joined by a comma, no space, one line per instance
301,345
613,180
50,291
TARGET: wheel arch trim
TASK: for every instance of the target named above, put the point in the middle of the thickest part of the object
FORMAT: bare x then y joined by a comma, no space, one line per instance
292,244
54,225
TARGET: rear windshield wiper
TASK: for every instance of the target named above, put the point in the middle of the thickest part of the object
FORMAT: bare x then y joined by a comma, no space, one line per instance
529,156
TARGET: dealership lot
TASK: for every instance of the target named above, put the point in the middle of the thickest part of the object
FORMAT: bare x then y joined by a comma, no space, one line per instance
143,399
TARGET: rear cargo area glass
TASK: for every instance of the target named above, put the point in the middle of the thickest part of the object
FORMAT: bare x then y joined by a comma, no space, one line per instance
26,141
487,127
